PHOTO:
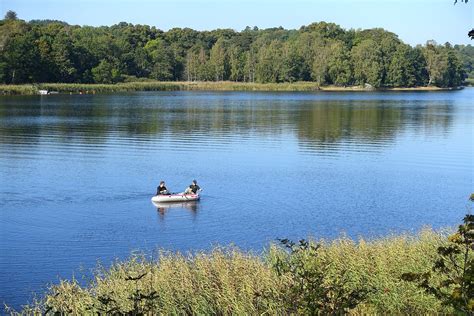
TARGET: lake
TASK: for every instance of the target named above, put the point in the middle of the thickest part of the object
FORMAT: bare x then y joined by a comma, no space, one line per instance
77,172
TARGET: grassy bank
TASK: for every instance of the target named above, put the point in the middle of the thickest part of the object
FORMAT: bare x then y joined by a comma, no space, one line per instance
342,276
30,89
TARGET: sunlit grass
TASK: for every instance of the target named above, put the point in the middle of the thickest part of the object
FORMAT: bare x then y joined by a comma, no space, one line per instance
229,281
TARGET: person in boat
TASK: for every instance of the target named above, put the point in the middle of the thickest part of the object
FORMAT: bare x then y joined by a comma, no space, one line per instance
193,188
162,190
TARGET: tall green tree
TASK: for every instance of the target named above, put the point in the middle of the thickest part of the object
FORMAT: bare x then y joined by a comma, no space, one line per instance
293,65
401,70
21,56
339,65
320,62
161,60
367,62
269,63
218,60
236,63
106,72
250,66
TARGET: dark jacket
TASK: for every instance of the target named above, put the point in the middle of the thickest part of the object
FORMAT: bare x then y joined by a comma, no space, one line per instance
160,190
194,188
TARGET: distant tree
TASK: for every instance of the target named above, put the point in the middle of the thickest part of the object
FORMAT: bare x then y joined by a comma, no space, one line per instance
401,70
11,15
197,64
292,67
205,70
466,55
339,65
218,60
320,62
454,74
161,60
236,63
367,61
269,62
435,63
21,56
105,72
192,64
250,65
56,53
444,67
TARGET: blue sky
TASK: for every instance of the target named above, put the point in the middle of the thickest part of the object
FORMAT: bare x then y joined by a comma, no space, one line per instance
415,21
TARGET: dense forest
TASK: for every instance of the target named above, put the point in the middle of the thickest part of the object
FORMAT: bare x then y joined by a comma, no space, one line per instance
324,53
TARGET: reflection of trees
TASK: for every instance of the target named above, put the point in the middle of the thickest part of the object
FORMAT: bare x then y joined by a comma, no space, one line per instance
364,120
94,119
368,121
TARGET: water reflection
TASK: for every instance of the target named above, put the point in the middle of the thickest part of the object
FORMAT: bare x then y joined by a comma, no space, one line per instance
316,123
163,208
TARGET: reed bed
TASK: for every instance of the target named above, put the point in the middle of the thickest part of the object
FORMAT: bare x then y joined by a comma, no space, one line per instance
228,281
76,88
79,88
25,89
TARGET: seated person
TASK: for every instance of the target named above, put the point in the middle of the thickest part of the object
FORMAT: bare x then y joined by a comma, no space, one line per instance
162,190
193,188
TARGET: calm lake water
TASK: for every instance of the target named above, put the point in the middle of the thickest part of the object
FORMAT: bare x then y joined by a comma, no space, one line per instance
77,172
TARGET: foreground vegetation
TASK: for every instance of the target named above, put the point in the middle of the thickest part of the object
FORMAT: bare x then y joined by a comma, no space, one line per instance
150,85
323,53
325,277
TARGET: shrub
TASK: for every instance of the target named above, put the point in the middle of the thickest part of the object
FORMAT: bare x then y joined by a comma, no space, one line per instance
455,269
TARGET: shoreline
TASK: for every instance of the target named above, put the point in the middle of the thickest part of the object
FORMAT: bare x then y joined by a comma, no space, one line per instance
76,88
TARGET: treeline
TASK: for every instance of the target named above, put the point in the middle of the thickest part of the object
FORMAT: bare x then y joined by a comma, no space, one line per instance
324,53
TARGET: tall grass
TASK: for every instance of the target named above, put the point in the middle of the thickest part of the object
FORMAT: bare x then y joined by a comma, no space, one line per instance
26,89
374,270
155,86
149,85
228,281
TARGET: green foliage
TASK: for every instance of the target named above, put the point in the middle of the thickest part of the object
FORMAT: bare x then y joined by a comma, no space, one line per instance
269,62
314,285
161,60
367,61
53,51
401,70
466,55
444,68
339,65
105,72
455,264
319,65
218,60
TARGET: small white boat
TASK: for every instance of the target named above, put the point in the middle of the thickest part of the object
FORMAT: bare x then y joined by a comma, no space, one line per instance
178,197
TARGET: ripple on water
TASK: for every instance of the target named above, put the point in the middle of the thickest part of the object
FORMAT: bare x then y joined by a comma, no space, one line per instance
77,172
